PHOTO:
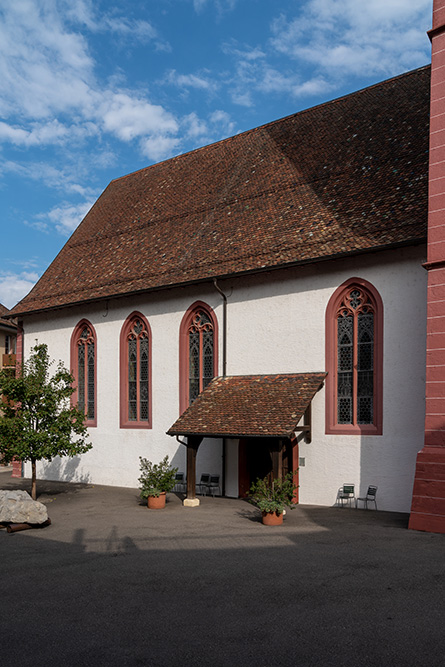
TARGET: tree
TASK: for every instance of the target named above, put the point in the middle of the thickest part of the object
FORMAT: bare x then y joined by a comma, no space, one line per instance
36,419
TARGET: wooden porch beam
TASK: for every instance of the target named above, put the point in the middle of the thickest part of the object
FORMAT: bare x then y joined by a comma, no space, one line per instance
307,427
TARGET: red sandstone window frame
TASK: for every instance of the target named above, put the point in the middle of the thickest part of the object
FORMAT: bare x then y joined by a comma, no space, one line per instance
184,349
74,355
125,421
332,425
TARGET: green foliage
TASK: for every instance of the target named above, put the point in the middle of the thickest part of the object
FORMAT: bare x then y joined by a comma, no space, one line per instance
36,419
156,477
273,495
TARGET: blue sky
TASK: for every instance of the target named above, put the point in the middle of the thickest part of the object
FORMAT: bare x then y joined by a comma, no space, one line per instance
91,90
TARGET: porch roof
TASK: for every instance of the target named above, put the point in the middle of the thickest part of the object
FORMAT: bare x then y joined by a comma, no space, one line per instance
250,406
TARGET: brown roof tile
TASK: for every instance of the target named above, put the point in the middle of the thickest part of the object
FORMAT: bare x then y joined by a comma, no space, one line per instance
250,406
344,177
3,321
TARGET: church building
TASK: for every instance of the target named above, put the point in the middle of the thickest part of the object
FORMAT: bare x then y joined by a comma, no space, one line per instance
271,302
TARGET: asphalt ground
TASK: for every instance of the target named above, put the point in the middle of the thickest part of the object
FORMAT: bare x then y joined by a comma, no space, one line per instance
113,583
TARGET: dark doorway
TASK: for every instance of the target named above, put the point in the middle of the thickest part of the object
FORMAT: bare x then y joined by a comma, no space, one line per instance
259,457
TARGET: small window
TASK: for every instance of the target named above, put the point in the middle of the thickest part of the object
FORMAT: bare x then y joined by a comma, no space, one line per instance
9,344
135,373
198,352
354,356
83,364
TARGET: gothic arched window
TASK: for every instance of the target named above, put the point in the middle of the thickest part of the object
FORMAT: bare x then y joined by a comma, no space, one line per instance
135,373
83,364
198,352
354,340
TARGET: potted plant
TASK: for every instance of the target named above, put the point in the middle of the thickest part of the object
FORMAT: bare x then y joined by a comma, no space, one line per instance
156,480
272,496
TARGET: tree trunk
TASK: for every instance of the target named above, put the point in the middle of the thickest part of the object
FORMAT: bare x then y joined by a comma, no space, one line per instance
33,480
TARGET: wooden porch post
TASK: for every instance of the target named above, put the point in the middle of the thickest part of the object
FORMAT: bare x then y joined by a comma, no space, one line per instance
277,463
192,449
295,468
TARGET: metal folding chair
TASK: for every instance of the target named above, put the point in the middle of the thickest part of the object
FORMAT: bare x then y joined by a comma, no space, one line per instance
180,483
214,485
346,494
369,498
204,483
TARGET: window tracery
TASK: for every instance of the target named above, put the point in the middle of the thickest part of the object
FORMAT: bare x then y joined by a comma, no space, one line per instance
354,359
198,352
355,353
83,363
135,373
200,334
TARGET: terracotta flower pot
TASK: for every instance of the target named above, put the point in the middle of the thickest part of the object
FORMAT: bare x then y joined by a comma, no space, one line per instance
272,518
156,502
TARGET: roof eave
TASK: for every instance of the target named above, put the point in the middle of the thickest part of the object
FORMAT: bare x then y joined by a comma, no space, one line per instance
225,276
7,325
281,436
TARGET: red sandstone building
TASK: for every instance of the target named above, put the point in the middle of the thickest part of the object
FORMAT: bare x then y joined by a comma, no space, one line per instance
428,506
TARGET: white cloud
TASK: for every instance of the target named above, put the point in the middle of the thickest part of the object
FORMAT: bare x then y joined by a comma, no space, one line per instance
15,135
83,12
134,30
159,147
316,86
47,79
255,74
194,126
342,37
64,218
14,286
222,121
128,117
245,81
274,81
40,133
246,53
218,125
322,42
52,177
44,68
199,5
222,6
199,81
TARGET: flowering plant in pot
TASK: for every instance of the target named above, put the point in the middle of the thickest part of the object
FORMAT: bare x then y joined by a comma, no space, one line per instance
272,496
156,480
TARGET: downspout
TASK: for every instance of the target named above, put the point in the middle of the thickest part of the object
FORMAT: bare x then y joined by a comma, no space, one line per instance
224,364
218,289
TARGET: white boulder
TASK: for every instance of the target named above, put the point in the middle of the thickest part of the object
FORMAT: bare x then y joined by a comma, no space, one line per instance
19,507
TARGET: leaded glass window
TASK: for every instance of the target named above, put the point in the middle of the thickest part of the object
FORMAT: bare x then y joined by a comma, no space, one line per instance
201,353
345,338
138,371
355,358
86,366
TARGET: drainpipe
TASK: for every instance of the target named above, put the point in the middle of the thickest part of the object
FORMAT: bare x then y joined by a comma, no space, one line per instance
218,289
224,297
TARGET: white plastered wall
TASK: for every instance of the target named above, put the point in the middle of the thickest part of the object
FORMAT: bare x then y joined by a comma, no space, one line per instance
276,324
114,458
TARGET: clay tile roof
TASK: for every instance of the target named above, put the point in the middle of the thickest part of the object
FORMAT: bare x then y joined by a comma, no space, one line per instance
3,321
341,178
250,406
